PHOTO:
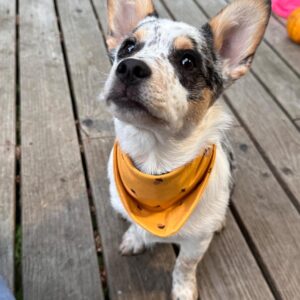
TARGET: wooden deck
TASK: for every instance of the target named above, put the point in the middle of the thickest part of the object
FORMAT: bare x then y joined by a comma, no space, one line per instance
58,235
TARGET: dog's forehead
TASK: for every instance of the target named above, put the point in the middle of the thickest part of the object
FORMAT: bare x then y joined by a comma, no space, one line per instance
163,32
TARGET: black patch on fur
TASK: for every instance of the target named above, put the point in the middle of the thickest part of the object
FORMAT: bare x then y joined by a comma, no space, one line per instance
248,60
205,73
208,35
211,61
193,80
153,14
112,55
122,53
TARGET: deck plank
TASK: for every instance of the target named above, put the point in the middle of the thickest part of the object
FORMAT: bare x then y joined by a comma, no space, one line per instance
268,216
134,278
277,37
228,270
58,249
7,139
276,135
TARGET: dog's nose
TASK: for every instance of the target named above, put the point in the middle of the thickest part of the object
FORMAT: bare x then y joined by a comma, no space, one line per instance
132,71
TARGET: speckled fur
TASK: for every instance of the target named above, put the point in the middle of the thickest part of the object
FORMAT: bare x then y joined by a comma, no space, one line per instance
178,120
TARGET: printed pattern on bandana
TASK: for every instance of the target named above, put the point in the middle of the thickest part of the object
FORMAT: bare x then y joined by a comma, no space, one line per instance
162,204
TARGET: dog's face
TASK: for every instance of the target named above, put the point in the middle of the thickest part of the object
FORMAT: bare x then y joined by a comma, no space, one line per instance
167,74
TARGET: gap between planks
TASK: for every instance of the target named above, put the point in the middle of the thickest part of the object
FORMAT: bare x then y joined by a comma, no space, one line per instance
18,187
7,140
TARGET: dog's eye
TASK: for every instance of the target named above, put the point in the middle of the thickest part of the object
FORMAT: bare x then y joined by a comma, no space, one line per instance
129,46
187,62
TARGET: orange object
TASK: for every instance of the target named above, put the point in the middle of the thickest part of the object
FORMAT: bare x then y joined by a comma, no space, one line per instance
161,204
293,26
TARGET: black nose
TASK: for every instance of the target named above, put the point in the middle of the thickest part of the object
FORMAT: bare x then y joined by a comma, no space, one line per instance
132,71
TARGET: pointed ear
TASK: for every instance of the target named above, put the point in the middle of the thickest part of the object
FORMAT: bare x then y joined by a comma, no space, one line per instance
237,31
123,17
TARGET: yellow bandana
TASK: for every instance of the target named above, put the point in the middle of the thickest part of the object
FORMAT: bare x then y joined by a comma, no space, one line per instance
161,204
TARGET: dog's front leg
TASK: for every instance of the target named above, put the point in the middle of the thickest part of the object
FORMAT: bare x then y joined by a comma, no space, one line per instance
184,275
133,241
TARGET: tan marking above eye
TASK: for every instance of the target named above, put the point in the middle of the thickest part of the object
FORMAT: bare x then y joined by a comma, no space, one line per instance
140,35
183,43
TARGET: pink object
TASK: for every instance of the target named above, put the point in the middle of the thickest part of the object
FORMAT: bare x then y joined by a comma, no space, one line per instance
283,8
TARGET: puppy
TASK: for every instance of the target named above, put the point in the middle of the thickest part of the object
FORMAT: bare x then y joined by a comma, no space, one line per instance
162,91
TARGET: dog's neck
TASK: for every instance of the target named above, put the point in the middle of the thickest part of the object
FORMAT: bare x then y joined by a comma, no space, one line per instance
155,154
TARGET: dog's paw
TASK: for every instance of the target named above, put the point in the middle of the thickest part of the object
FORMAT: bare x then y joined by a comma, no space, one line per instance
184,292
131,244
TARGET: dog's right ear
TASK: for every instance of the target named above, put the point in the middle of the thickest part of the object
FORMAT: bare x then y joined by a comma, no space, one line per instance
124,16
237,31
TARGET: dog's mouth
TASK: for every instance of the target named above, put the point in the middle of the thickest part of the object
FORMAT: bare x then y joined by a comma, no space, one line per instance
127,103
128,99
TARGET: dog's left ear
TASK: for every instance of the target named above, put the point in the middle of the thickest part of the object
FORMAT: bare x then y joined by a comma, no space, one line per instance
237,32
123,17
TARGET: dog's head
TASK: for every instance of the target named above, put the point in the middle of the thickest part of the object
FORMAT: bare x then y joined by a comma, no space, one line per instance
166,74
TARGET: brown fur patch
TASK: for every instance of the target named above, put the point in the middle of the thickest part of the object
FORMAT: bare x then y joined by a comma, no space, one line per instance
198,109
183,43
140,35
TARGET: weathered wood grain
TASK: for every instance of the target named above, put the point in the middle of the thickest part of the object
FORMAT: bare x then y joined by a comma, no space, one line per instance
59,255
270,219
7,138
89,65
276,135
229,271
279,79
277,37
281,20
144,277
